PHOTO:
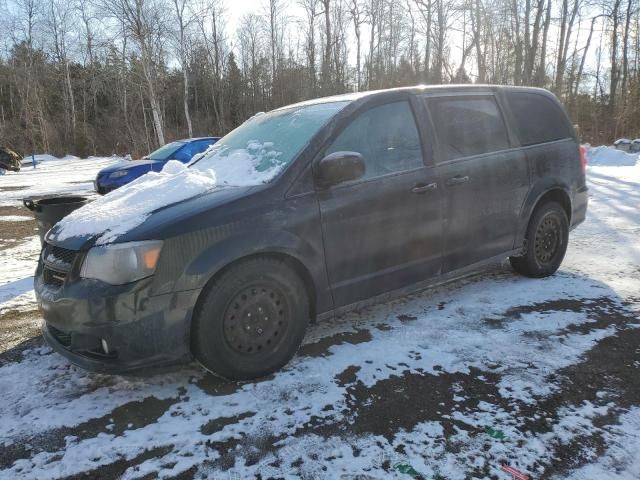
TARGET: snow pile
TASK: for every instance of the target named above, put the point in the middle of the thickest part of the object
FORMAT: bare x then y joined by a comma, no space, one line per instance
608,156
126,208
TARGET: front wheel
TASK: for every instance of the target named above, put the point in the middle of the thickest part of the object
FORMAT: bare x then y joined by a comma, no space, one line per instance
547,237
252,319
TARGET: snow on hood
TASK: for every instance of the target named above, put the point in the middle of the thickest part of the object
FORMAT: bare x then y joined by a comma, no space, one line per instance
124,209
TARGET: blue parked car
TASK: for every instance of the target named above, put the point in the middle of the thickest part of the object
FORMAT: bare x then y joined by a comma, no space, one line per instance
115,176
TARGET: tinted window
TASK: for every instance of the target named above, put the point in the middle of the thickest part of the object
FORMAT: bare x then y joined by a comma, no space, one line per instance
537,118
387,138
467,126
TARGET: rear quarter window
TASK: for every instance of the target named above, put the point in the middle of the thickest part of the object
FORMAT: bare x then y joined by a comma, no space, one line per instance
537,118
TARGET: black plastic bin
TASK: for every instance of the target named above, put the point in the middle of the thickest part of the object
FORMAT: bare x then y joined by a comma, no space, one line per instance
50,210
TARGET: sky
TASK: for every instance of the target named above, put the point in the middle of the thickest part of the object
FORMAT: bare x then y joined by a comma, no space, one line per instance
235,9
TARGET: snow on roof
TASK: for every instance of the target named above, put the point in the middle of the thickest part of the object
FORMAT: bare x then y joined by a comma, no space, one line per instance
622,141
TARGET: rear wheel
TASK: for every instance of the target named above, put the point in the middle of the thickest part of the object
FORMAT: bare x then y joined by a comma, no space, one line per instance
547,237
251,320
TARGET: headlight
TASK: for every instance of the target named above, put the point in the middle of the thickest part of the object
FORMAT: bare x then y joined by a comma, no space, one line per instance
122,263
119,173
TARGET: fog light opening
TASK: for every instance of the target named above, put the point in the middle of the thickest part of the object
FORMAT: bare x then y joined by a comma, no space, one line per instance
105,346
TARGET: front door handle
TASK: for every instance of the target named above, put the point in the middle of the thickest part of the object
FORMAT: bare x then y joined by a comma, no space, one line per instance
422,188
457,180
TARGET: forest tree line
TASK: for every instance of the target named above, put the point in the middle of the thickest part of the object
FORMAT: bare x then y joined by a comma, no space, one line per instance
82,76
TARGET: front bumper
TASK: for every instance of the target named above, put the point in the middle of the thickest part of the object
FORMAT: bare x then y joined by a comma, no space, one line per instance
141,330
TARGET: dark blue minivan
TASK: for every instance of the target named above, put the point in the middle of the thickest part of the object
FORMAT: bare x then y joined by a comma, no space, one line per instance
120,174
316,209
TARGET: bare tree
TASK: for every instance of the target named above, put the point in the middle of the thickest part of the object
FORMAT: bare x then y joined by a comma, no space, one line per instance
615,72
358,20
212,35
143,20
326,56
59,22
567,19
251,52
184,18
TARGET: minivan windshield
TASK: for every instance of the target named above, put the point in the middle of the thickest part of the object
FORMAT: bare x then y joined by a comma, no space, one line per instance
164,152
264,145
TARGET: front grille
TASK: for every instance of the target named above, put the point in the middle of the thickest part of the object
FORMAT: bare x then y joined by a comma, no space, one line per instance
62,254
58,262
53,278
58,257
63,337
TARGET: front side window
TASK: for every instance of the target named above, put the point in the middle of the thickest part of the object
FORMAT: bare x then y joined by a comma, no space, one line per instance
387,138
260,148
467,126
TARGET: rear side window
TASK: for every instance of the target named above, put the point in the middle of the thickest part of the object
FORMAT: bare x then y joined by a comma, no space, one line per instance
537,118
466,126
387,138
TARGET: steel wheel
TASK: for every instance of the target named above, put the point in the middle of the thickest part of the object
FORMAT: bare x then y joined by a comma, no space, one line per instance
547,238
545,241
256,320
251,319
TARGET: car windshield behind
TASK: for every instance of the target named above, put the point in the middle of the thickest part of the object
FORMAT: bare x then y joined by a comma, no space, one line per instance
165,152
264,145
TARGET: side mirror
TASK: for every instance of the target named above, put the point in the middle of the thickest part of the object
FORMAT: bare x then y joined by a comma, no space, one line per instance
339,167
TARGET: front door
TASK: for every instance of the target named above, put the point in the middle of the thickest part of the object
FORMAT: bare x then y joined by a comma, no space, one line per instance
382,231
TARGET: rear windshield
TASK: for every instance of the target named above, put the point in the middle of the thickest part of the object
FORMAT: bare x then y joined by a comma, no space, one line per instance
537,118
264,145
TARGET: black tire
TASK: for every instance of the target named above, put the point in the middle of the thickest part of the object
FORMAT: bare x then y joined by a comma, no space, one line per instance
546,242
251,320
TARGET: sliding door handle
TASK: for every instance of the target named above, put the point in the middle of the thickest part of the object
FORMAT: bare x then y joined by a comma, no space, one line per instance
422,188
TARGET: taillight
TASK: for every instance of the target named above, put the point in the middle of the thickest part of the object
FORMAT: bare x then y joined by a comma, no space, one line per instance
583,159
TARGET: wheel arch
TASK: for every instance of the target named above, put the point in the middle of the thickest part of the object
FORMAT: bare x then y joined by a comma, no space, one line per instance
290,260
557,193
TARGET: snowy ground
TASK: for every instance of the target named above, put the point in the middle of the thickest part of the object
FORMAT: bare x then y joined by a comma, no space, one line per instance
543,375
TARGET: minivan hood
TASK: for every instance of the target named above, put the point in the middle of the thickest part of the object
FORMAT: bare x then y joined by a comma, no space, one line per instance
163,222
